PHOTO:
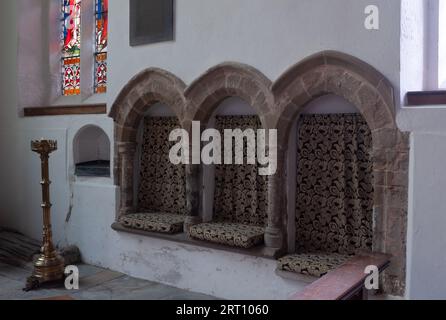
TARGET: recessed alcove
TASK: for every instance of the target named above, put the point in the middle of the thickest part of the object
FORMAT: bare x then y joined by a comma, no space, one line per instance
234,196
327,104
230,107
91,152
330,187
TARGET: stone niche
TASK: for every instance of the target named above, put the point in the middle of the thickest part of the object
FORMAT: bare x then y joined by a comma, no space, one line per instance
91,152
278,105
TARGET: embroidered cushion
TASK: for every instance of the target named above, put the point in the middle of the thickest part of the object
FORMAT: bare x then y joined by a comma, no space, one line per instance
154,222
316,265
231,234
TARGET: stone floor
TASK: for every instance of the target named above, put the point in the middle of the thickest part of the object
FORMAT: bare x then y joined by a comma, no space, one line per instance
16,252
95,284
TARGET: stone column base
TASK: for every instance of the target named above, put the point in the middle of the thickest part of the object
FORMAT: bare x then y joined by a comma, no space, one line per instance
273,237
191,221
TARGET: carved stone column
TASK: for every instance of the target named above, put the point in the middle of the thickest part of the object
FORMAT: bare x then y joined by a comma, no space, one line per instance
126,153
274,233
193,191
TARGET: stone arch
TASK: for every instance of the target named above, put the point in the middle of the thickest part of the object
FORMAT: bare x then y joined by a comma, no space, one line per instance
227,80
332,72
142,92
231,79
337,73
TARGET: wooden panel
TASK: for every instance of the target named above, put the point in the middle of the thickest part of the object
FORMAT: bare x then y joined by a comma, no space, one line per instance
65,110
423,98
344,282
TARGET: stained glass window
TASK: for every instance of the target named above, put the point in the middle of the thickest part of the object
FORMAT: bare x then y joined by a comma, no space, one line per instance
100,76
71,46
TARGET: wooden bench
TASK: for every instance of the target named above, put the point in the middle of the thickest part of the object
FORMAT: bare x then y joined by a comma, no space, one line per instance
346,282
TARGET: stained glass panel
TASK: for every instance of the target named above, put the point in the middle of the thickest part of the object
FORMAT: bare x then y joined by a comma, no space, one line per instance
71,76
101,73
71,46
100,82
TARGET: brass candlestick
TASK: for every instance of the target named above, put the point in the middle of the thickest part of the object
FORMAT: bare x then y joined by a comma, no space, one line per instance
49,266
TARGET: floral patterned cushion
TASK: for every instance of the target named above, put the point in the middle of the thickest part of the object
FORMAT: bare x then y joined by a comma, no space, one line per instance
316,265
154,222
231,234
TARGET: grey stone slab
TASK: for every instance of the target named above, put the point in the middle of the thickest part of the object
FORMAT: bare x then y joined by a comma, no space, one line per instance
187,295
95,284
13,273
86,270
99,278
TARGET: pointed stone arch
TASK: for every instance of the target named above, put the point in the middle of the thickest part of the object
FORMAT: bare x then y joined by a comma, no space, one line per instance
142,92
337,73
229,79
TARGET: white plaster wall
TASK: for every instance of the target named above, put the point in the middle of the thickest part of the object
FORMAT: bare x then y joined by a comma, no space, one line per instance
427,221
414,57
426,239
441,31
426,266
269,35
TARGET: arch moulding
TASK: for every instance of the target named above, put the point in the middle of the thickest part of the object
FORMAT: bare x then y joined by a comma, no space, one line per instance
348,77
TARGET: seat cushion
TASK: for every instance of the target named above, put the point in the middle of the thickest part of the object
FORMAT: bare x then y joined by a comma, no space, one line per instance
154,222
231,234
316,265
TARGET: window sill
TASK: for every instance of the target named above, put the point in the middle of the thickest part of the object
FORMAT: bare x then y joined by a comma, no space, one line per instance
258,252
426,98
89,109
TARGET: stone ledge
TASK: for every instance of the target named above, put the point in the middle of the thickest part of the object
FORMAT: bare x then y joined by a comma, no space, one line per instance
345,282
182,238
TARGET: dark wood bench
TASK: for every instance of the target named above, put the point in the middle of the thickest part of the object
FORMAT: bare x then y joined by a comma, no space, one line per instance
346,282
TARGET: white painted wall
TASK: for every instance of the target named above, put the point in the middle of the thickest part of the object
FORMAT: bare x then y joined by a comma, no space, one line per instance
269,35
442,44
414,57
426,262
427,206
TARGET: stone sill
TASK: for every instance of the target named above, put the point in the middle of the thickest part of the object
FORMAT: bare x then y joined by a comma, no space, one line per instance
425,98
258,252
345,282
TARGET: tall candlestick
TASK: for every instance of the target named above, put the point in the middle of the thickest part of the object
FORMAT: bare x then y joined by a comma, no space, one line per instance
49,266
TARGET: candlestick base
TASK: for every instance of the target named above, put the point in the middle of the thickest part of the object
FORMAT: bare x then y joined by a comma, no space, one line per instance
49,268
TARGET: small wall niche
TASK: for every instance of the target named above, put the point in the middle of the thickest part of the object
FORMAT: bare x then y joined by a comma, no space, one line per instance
91,152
